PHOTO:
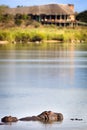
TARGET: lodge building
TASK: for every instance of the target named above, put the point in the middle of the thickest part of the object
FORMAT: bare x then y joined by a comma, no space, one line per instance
59,14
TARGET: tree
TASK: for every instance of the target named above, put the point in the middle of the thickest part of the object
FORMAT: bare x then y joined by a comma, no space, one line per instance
3,8
2,11
82,16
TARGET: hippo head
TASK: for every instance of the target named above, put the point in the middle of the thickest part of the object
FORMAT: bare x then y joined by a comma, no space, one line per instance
49,116
59,116
55,116
9,119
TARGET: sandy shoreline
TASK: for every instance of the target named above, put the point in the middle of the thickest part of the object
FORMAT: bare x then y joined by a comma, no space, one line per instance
3,42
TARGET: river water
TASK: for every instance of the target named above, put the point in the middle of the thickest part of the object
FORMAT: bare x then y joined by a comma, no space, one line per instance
35,80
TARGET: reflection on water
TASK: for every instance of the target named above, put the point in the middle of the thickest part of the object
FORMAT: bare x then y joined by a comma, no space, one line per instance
32,81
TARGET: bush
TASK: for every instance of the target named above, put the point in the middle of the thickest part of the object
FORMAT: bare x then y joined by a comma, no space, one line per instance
35,24
82,16
18,22
22,37
37,37
3,36
58,37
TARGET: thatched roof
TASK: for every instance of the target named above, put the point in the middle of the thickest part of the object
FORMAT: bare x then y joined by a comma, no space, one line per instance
50,9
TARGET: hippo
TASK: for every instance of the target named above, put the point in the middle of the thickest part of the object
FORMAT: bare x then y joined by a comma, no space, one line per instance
76,119
46,117
1,123
9,119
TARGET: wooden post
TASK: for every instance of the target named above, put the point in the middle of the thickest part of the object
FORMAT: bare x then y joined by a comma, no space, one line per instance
60,20
60,17
55,19
50,19
39,18
64,20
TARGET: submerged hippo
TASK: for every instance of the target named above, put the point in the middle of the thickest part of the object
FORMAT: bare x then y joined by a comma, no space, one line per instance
50,116
9,119
1,123
46,117
76,119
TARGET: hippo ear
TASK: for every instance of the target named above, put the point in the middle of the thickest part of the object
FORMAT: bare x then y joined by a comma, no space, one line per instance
49,111
60,117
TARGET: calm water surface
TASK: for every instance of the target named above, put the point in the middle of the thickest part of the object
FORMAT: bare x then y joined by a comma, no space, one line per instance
32,81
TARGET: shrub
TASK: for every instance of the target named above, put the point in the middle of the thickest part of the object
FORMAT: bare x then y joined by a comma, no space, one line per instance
35,24
37,37
82,16
3,36
58,37
18,22
22,37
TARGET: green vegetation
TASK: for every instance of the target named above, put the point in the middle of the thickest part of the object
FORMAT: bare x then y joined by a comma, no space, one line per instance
41,34
2,15
24,20
82,16
22,29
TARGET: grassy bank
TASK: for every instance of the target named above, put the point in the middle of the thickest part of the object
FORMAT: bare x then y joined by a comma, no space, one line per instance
26,35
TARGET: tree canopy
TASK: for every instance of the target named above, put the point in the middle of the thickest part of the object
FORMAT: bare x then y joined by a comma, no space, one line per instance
82,16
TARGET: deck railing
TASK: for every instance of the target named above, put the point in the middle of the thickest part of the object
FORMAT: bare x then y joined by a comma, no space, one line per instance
55,20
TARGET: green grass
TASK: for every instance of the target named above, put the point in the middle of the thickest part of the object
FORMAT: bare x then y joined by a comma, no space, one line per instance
20,35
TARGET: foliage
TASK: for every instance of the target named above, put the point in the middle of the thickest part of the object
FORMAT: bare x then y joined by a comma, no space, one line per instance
22,37
58,37
40,34
3,8
6,18
82,16
35,24
18,22
37,37
21,16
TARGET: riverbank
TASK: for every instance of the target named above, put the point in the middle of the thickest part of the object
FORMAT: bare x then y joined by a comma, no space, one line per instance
42,34
3,42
